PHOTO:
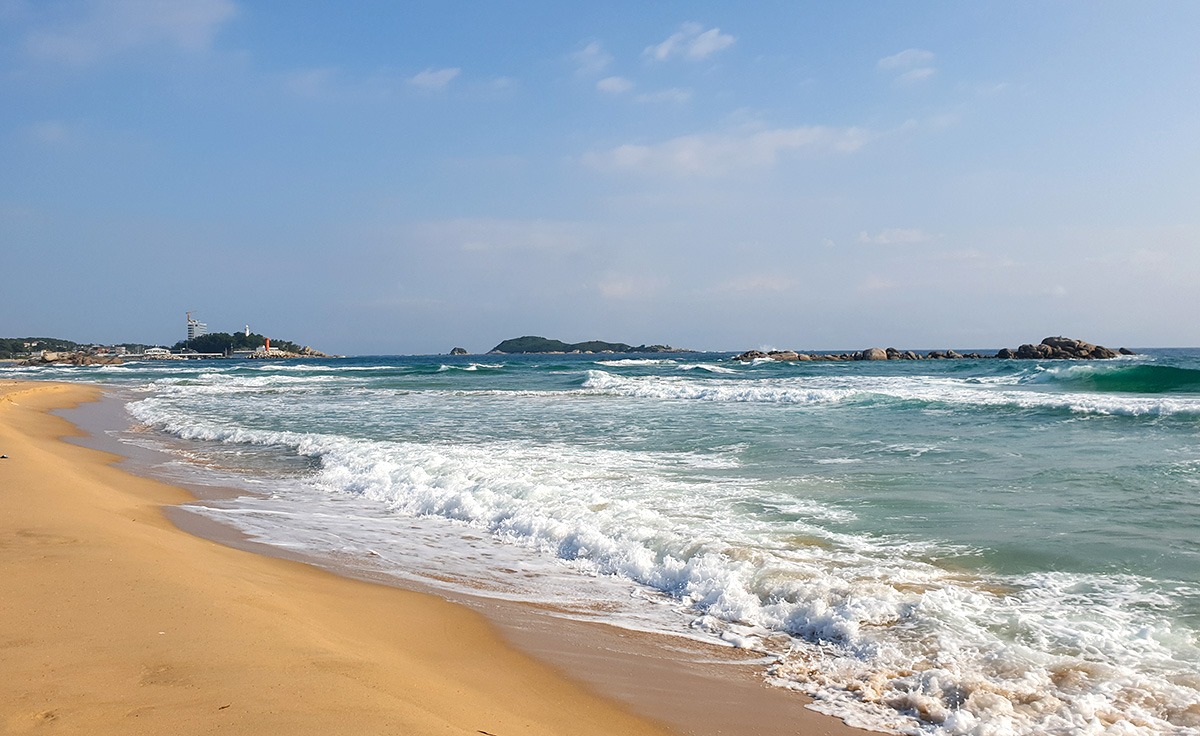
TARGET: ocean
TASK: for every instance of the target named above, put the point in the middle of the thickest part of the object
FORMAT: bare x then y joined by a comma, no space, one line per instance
985,547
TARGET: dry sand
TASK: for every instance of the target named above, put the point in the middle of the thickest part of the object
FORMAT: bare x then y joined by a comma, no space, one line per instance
112,620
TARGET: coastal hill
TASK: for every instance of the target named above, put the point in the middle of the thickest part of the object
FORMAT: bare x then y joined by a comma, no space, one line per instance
533,344
52,350
225,342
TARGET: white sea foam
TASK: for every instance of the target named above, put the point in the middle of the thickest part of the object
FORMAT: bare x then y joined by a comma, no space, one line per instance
628,362
671,387
874,630
834,389
710,367
878,633
470,367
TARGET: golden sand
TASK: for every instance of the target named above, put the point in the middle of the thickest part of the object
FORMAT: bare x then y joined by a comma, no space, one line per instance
112,621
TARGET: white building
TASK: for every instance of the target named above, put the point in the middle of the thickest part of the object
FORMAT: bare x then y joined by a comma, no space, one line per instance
195,328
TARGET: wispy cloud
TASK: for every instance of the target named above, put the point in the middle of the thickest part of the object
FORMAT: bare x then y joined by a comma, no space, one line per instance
111,27
895,236
591,59
691,42
434,78
614,85
711,154
910,65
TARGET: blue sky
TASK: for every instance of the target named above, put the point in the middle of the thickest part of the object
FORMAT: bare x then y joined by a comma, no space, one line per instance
382,177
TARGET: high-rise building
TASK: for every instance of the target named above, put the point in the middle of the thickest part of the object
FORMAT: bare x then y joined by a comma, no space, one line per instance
195,328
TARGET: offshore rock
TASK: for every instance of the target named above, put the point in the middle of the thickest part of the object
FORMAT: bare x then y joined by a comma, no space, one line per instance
459,351
751,355
1051,348
80,358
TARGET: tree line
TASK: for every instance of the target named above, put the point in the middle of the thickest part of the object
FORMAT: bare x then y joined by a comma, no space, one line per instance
225,342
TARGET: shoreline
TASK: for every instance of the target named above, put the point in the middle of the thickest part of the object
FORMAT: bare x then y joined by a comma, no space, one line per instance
602,679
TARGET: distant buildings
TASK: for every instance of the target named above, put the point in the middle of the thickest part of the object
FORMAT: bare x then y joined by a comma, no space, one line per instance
195,328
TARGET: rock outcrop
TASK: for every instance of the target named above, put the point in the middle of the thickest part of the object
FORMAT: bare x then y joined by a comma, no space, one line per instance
459,351
1051,348
79,358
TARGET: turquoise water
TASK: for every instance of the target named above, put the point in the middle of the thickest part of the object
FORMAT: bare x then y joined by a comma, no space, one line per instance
990,547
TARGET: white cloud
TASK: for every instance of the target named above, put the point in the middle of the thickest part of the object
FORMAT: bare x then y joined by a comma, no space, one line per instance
691,42
114,26
718,154
906,59
910,65
614,85
916,75
434,78
895,236
592,59
673,95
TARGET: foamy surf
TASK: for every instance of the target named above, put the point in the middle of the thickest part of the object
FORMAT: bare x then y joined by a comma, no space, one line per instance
988,549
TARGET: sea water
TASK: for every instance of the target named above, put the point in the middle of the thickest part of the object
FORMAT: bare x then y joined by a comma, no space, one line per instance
943,547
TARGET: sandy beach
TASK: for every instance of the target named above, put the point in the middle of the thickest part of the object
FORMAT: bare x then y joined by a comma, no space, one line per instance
116,621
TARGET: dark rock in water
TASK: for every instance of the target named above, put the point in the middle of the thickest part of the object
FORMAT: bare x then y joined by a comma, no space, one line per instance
1051,348
459,351
1061,348
751,355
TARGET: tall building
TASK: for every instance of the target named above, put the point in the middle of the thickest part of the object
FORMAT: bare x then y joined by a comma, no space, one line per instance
195,328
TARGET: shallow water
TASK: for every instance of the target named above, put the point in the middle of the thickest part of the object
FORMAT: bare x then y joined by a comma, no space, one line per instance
991,547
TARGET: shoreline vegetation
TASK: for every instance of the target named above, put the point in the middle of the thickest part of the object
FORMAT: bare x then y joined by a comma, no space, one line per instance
117,622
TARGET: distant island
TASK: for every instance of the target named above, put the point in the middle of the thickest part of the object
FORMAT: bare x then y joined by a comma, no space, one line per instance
533,344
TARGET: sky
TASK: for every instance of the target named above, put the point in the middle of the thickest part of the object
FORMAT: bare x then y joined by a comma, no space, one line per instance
376,177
